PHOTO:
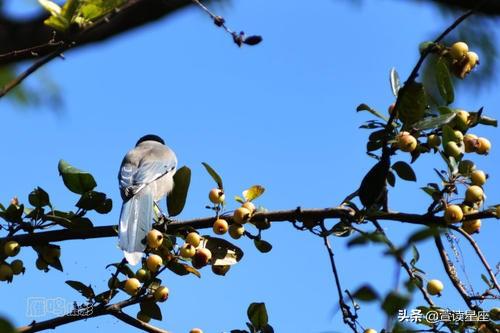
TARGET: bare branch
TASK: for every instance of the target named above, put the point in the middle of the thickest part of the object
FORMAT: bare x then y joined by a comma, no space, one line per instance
479,254
137,323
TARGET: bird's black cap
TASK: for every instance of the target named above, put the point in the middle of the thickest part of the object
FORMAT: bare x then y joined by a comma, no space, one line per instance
150,137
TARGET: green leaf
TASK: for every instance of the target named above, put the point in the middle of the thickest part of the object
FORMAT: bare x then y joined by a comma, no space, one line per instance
39,198
77,181
487,281
176,200
445,110
257,314
69,9
488,121
86,291
182,269
434,122
412,103
13,214
404,171
423,234
366,293
253,192
444,81
394,81
151,309
391,179
364,107
104,296
239,199
91,200
6,326
124,269
95,9
262,245
373,186
448,134
395,302
56,263
215,176
375,237
223,252
341,229
416,255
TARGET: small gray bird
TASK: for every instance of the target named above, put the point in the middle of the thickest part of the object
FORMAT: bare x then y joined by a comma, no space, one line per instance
146,176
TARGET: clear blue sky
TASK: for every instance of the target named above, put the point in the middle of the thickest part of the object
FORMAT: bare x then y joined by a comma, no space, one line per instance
281,114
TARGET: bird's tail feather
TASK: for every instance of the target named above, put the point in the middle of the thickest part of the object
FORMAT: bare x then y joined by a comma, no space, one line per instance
135,222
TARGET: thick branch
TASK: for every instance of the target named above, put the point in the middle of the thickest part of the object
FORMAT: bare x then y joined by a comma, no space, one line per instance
485,7
44,237
95,311
28,34
452,274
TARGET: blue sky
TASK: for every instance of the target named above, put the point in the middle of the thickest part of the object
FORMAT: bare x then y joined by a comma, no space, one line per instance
281,114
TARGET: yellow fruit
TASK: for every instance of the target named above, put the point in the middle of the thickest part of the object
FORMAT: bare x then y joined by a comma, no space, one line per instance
478,177
433,140
142,275
154,262
458,137
484,146
41,264
17,267
220,269
459,50
471,226
161,294
220,226
201,258
453,214
113,283
132,286
497,212
406,142
452,149
196,330
216,196
241,215
154,239
250,206
11,248
6,272
461,120
474,194
236,231
187,250
193,238
51,254
434,287
466,209
143,317
472,59
471,143
370,330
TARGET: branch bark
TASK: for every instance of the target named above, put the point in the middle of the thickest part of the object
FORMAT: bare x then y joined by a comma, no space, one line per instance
39,238
137,323
33,39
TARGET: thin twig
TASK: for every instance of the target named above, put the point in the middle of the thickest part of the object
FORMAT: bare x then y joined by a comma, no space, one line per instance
137,323
347,316
479,254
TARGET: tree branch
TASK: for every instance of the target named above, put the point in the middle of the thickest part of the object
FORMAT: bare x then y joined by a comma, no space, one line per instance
95,311
40,238
33,39
137,323
452,274
479,254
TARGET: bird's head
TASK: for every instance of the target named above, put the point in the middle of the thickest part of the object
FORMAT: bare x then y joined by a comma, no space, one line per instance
150,137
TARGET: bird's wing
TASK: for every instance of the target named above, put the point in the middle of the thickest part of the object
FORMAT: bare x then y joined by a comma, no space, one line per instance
133,179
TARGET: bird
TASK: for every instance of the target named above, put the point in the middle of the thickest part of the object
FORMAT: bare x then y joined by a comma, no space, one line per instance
145,176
